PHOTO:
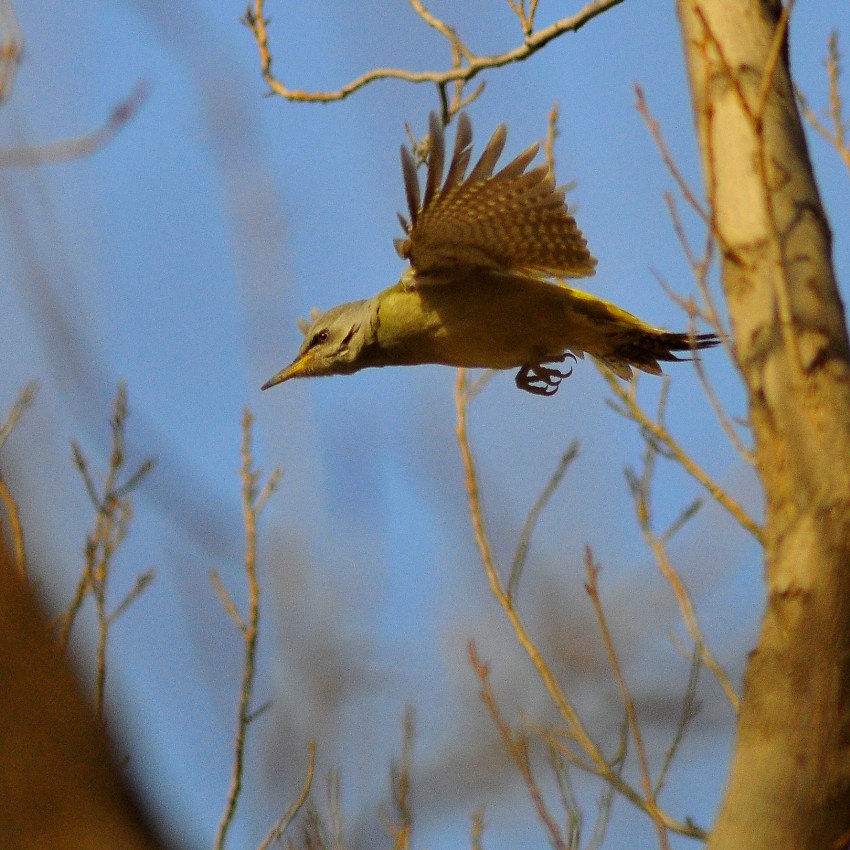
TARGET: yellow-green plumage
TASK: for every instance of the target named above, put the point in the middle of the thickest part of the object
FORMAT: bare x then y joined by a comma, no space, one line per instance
481,248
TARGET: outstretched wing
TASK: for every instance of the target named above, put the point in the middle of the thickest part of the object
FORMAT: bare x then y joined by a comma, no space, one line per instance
514,220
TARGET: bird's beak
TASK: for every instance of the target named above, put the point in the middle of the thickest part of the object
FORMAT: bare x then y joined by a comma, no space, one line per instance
297,367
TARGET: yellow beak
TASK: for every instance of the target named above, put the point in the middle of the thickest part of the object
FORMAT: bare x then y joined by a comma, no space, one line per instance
296,368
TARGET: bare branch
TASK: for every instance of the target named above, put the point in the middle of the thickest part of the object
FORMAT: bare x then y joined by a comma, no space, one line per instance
658,431
77,147
253,500
534,514
283,822
399,824
227,601
113,515
24,400
11,49
650,800
690,709
468,69
641,490
517,747
575,730
837,135
143,581
15,527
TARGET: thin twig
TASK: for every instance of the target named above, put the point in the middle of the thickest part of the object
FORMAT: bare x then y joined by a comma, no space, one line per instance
11,49
477,829
700,267
227,600
641,490
143,581
517,747
572,810
772,62
16,529
657,430
534,514
113,516
24,400
657,136
837,136
650,798
254,19
598,763
690,709
280,825
22,403
400,826
551,134
77,147
252,502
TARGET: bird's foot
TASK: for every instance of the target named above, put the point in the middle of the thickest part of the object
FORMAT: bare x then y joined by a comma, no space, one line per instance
541,380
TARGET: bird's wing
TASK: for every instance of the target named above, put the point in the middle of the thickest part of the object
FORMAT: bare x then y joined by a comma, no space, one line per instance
513,221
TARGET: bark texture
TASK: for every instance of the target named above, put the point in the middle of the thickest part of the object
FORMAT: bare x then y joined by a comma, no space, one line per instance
789,784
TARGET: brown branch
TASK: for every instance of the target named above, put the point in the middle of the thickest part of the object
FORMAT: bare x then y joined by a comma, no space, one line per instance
78,147
252,503
474,65
476,829
517,747
837,136
599,765
113,515
772,60
650,800
16,530
534,514
657,430
708,316
667,157
690,709
700,266
11,49
283,822
23,401
526,16
641,490
400,826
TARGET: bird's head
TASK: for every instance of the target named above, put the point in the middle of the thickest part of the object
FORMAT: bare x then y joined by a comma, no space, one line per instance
332,343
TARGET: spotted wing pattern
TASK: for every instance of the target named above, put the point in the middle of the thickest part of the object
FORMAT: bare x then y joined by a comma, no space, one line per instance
514,220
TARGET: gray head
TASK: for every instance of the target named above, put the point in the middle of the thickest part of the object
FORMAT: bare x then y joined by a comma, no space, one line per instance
332,343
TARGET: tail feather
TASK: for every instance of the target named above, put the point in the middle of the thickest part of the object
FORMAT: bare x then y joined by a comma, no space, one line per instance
643,348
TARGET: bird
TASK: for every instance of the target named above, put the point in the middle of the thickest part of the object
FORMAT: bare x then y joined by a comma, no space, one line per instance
488,255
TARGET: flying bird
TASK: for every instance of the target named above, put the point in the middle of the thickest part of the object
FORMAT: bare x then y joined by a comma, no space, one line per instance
484,250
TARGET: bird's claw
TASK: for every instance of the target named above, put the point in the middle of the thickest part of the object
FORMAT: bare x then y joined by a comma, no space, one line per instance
542,380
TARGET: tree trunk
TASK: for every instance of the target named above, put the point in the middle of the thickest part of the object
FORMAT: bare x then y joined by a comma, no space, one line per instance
789,784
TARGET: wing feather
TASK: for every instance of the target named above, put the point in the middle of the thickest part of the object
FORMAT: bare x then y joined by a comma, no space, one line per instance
513,220
411,184
484,167
436,158
462,152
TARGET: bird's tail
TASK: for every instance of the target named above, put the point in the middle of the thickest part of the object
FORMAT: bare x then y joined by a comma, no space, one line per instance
622,341
643,347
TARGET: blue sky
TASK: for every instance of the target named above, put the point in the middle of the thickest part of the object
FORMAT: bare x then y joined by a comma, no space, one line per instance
177,259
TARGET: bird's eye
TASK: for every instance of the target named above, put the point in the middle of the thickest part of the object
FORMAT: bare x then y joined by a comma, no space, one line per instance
319,337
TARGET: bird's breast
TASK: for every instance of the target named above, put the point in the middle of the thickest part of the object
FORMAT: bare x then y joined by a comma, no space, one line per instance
490,321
